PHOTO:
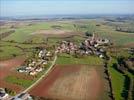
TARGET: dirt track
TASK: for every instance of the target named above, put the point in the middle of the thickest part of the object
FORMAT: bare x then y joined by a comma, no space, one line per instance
75,82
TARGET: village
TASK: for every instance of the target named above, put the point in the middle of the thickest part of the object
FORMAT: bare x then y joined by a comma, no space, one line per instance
34,66
91,46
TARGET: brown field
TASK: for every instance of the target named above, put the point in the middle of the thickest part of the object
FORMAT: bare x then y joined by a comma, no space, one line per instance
7,67
70,82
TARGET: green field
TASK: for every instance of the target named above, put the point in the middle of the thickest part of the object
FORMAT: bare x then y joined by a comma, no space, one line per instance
117,83
22,82
9,52
69,59
118,78
25,33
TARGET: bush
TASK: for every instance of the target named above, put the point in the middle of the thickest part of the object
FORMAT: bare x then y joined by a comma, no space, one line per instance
88,34
126,87
10,92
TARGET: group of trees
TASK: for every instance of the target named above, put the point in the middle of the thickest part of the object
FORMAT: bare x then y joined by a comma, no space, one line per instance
122,67
88,33
10,91
56,26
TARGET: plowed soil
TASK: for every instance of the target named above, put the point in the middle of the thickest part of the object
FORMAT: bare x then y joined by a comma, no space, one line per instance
70,82
6,68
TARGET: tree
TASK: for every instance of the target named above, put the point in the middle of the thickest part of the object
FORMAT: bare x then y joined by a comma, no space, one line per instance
88,34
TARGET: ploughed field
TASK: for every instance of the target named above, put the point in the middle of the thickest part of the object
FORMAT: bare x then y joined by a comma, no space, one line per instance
70,82
10,78
7,67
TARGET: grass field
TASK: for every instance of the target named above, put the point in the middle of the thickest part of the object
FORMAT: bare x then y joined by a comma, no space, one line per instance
24,33
117,83
9,52
22,82
117,80
119,38
68,59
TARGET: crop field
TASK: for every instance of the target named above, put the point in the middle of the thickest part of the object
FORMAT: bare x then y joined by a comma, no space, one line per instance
6,68
73,82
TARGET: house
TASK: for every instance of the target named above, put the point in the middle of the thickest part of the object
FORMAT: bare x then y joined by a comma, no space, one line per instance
42,53
103,41
131,51
44,62
33,73
48,53
22,96
29,68
38,69
22,69
31,64
101,56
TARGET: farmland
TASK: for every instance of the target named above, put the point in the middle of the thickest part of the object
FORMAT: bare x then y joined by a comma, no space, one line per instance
70,71
6,69
67,59
70,82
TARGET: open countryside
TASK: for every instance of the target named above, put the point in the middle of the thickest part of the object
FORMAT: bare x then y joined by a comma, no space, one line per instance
66,56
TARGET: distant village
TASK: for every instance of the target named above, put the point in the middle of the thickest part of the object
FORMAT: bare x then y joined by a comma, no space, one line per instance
91,46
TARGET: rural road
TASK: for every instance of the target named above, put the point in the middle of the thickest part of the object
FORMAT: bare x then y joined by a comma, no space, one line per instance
41,76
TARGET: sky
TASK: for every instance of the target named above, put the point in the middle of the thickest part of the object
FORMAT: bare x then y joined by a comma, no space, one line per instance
55,7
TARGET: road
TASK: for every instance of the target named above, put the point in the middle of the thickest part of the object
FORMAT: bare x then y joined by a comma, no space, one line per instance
43,76
53,63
